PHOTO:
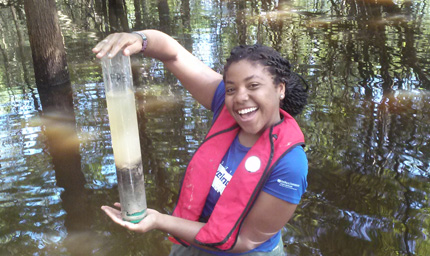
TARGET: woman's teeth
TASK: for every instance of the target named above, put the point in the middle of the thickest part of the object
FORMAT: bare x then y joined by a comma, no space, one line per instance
246,110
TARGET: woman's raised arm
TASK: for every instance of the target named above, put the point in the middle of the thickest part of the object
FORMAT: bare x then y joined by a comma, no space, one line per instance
199,79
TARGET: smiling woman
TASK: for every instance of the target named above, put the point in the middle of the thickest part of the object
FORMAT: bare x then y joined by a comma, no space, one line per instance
258,80
252,99
252,149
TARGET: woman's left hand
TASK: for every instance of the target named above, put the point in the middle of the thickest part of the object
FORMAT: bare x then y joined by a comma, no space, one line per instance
147,224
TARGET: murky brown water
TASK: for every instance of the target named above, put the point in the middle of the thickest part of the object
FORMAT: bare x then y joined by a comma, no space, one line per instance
366,123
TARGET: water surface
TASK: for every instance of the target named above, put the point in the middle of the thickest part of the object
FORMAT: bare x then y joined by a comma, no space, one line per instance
365,125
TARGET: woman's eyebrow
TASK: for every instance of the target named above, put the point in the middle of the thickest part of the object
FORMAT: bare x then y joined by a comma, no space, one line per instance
245,79
251,77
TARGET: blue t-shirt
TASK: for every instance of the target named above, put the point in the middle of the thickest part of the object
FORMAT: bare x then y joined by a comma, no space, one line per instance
287,181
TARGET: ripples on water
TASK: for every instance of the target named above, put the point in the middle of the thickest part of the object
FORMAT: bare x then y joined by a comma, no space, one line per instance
29,196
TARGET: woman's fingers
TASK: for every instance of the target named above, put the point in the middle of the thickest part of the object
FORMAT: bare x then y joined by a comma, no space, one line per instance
107,46
104,46
112,44
114,214
116,217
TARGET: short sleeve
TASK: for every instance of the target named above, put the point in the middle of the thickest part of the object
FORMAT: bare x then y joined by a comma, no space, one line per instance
218,100
288,181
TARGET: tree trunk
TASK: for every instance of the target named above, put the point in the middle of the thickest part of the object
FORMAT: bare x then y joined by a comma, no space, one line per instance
118,16
164,16
46,41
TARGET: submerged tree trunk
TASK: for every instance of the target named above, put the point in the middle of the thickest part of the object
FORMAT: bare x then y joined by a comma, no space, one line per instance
56,95
46,41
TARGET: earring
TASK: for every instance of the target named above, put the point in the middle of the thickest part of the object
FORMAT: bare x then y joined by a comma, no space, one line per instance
282,97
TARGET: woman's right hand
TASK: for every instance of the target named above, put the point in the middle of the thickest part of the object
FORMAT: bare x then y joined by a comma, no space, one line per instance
199,79
113,43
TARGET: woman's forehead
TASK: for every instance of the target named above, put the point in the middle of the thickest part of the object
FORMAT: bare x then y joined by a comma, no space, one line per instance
248,67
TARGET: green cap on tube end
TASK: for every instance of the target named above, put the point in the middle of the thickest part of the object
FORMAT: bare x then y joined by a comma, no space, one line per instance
135,217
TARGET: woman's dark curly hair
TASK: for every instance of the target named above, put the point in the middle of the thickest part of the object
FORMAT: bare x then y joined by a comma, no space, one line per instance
295,93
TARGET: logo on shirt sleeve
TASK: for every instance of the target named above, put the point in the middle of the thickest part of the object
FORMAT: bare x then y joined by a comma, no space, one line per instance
286,184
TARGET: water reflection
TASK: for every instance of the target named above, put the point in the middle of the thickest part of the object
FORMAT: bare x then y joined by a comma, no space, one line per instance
365,126
63,146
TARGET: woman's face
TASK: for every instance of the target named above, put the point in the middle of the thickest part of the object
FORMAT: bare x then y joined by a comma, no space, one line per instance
252,98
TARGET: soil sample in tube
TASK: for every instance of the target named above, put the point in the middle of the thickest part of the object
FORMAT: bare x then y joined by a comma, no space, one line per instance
125,136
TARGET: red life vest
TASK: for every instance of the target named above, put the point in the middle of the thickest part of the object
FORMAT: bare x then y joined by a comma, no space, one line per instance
222,229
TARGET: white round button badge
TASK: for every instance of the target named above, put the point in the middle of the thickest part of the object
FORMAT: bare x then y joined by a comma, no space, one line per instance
252,164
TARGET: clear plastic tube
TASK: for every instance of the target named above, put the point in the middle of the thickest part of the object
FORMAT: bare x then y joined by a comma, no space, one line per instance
125,136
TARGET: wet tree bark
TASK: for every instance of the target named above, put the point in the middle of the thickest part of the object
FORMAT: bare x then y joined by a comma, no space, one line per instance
56,95
54,87
46,41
